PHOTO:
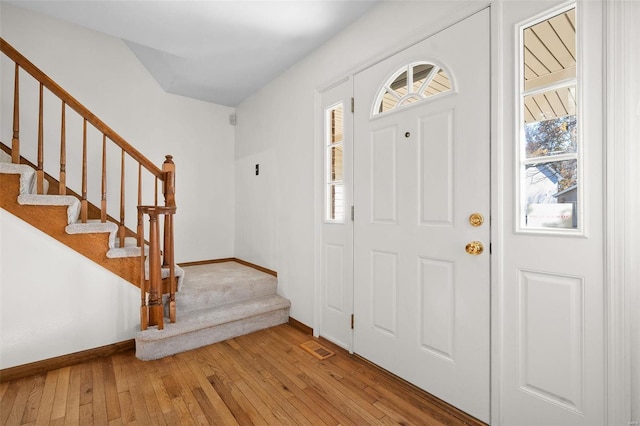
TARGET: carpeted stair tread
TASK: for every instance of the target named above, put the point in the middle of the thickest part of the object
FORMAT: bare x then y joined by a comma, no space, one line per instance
94,226
207,286
210,317
128,242
224,273
131,251
27,176
205,327
72,203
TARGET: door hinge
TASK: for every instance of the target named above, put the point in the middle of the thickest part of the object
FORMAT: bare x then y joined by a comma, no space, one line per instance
352,321
352,214
353,105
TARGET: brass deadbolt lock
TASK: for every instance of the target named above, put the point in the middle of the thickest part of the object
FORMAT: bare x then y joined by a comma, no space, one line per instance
476,219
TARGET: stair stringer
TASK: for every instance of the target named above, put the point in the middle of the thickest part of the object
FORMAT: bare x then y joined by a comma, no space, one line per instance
53,220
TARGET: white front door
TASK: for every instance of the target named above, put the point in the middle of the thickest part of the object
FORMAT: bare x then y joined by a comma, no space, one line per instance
421,171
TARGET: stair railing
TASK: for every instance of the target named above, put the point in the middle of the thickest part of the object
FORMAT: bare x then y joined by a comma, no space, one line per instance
161,252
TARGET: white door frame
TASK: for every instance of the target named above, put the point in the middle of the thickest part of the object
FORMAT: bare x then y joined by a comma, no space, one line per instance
622,195
622,183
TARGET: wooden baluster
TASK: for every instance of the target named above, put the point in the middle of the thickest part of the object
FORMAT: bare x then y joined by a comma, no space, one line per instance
169,259
103,200
83,203
144,309
62,186
40,170
15,141
121,228
155,191
140,227
156,314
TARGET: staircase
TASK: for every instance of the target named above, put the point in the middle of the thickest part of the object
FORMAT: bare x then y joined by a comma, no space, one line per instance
59,217
218,302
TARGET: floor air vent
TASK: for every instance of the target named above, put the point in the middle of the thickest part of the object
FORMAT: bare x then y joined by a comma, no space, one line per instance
316,349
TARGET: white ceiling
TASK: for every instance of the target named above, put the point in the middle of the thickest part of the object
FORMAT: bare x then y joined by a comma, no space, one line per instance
213,50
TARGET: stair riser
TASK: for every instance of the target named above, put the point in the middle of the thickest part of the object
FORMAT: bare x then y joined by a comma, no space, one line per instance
155,349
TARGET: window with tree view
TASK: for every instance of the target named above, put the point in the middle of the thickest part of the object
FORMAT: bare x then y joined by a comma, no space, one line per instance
549,139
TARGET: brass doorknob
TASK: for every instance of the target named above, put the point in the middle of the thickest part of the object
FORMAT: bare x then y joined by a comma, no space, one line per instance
475,248
476,219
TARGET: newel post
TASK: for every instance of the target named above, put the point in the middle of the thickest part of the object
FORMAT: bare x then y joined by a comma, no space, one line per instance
169,183
152,313
168,261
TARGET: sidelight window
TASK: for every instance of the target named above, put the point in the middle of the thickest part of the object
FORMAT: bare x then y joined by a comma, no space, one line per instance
549,137
334,166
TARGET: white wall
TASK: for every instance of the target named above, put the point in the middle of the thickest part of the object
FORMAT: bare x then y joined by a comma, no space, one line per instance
55,302
275,213
103,74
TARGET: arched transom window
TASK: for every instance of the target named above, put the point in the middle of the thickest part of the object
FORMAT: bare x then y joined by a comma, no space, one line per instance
415,82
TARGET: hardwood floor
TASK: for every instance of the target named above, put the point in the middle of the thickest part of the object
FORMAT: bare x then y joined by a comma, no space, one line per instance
264,378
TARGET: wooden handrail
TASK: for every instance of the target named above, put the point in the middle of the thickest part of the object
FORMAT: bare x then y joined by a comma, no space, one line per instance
74,104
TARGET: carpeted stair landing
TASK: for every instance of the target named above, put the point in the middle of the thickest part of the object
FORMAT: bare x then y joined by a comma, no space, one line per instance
215,302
